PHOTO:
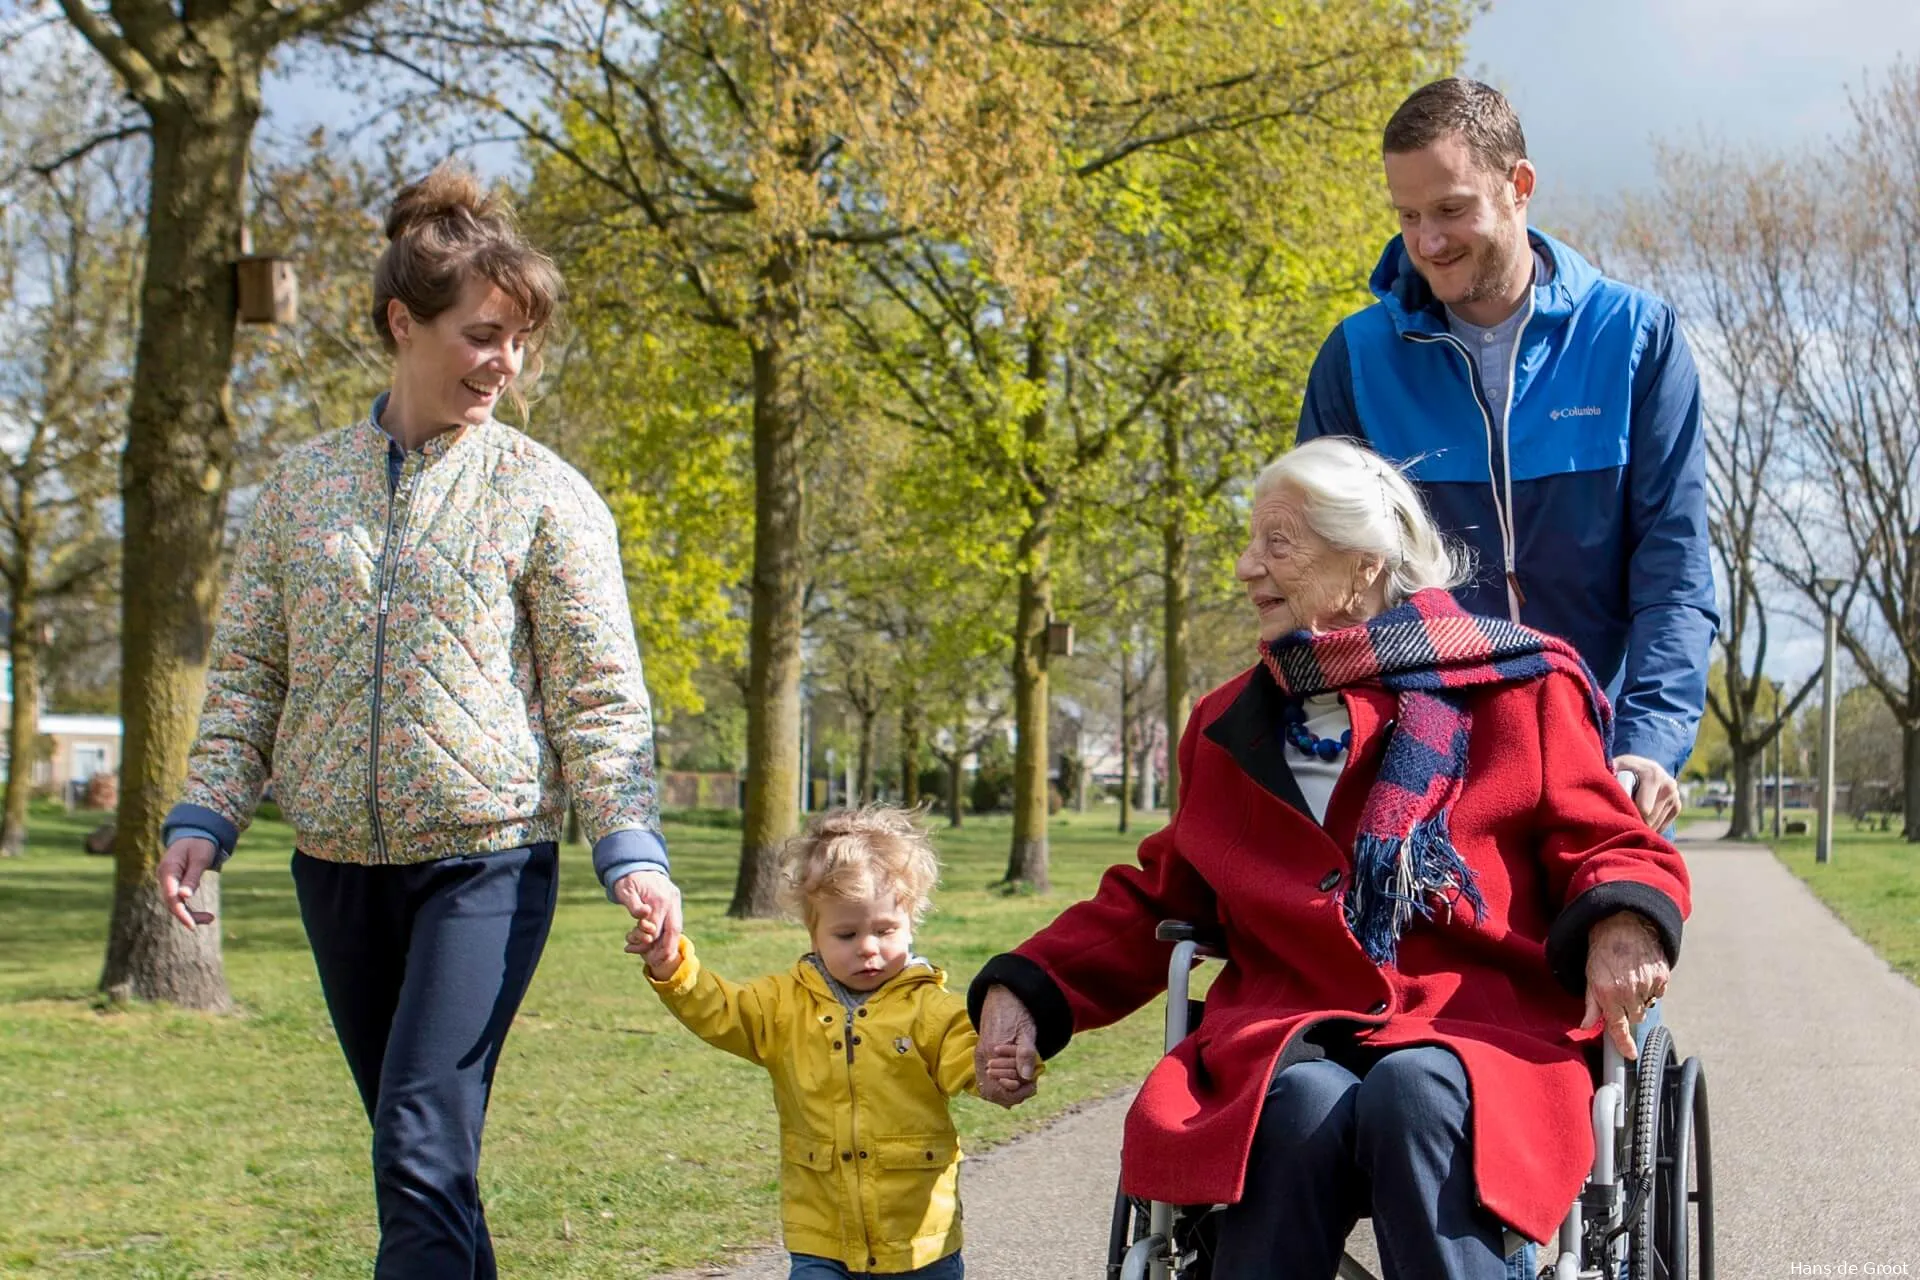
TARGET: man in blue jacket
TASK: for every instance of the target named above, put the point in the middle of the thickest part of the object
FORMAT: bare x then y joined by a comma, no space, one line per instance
1549,415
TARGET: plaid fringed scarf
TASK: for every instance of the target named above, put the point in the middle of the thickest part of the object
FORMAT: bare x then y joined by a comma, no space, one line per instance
1430,652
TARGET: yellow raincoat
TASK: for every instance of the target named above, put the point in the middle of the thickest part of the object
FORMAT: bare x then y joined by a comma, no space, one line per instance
870,1163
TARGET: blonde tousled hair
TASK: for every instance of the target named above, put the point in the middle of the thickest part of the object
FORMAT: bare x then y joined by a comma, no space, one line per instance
849,854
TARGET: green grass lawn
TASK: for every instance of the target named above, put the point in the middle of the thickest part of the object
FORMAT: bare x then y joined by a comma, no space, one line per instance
156,1143
1872,884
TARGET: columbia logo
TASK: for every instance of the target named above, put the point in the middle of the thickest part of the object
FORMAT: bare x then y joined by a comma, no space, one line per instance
1590,411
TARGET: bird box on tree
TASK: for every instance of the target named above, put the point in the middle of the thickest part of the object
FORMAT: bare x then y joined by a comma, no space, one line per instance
269,290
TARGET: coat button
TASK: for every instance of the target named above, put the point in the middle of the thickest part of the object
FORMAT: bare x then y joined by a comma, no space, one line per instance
856,1039
863,1011
826,1019
1329,880
1379,1008
863,1155
846,1155
838,1045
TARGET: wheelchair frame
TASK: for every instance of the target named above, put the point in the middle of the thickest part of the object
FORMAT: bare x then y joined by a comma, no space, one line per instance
1652,1163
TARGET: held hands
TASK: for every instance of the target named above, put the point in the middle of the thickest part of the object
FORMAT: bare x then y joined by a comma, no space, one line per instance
1626,973
1655,793
185,861
653,901
1005,1061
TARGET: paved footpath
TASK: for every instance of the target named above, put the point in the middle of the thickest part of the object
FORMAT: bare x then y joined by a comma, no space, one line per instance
1812,1051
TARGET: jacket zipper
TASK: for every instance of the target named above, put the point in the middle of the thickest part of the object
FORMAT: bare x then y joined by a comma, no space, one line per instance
853,1136
1502,505
389,572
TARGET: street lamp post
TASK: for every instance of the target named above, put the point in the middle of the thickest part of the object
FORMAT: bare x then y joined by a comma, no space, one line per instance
1823,842
1778,794
806,750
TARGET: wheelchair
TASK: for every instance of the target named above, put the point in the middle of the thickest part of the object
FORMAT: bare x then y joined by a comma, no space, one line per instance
1646,1212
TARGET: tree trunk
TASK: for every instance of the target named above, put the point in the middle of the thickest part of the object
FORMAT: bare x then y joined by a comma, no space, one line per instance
910,756
1146,774
1027,860
180,443
1126,752
1177,601
1745,796
1910,791
953,788
779,580
869,730
22,729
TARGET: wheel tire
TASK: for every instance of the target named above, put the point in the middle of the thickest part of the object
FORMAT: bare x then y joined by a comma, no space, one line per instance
1129,1224
1692,1107
1646,1242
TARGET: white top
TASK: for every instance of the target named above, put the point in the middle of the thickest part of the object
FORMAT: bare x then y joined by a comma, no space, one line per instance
1326,718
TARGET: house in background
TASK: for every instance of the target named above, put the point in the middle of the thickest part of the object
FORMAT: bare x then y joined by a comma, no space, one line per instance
74,748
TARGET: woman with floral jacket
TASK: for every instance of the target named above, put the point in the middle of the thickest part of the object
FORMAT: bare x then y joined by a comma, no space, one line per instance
426,646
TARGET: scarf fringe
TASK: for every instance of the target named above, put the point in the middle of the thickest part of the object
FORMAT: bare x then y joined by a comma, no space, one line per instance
1393,879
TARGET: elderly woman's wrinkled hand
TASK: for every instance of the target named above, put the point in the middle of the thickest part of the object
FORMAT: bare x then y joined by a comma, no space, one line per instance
1006,1062
1626,973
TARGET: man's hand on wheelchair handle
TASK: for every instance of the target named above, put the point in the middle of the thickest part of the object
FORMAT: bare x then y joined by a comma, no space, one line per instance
1005,1061
1655,793
1626,973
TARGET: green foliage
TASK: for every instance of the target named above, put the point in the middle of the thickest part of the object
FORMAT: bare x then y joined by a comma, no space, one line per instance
992,788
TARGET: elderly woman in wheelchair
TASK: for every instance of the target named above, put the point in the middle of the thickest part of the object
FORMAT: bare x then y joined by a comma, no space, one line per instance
1403,828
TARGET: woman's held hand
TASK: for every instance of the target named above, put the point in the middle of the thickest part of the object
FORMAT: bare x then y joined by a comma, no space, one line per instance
1006,1061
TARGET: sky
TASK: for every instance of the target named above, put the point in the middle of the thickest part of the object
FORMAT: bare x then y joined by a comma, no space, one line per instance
1598,82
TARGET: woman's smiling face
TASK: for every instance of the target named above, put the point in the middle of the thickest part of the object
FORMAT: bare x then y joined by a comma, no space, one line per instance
1296,579
454,368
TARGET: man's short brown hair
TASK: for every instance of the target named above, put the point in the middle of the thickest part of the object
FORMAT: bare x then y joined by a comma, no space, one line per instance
1479,113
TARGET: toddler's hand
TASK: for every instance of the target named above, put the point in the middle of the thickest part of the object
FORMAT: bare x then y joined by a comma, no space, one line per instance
663,958
661,953
1013,1069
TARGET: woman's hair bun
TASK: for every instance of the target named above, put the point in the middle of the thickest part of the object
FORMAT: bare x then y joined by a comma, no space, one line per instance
450,194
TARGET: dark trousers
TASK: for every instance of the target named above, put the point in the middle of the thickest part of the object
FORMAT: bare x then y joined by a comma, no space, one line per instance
423,968
1381,1134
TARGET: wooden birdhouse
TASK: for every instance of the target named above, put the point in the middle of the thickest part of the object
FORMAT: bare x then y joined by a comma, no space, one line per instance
1059,638
269,290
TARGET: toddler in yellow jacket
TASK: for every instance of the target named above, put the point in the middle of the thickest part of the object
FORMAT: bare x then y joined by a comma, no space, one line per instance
865,1046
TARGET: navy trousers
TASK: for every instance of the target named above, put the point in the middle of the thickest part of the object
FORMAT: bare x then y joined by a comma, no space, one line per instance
1380,1134
423,968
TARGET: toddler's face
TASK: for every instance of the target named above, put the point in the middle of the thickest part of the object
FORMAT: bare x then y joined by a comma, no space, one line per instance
864,942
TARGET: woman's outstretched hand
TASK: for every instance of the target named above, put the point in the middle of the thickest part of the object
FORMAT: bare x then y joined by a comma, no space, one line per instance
185,861
1626,973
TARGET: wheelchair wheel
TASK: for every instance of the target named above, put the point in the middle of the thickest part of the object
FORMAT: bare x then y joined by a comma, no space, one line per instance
1188,1255
1671,1224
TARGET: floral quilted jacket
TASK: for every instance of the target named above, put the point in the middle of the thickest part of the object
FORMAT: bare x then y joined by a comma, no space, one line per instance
428,667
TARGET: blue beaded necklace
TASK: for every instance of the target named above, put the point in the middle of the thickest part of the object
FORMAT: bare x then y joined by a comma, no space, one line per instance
1307,741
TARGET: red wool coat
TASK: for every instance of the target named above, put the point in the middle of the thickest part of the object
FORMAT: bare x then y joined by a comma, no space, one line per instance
1555,846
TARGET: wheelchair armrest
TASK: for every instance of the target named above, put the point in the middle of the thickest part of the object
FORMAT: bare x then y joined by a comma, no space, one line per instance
1209,937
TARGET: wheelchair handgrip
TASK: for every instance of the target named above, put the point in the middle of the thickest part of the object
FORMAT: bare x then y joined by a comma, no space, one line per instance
1209,936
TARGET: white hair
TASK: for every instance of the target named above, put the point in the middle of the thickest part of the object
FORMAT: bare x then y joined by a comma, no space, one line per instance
1360,502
